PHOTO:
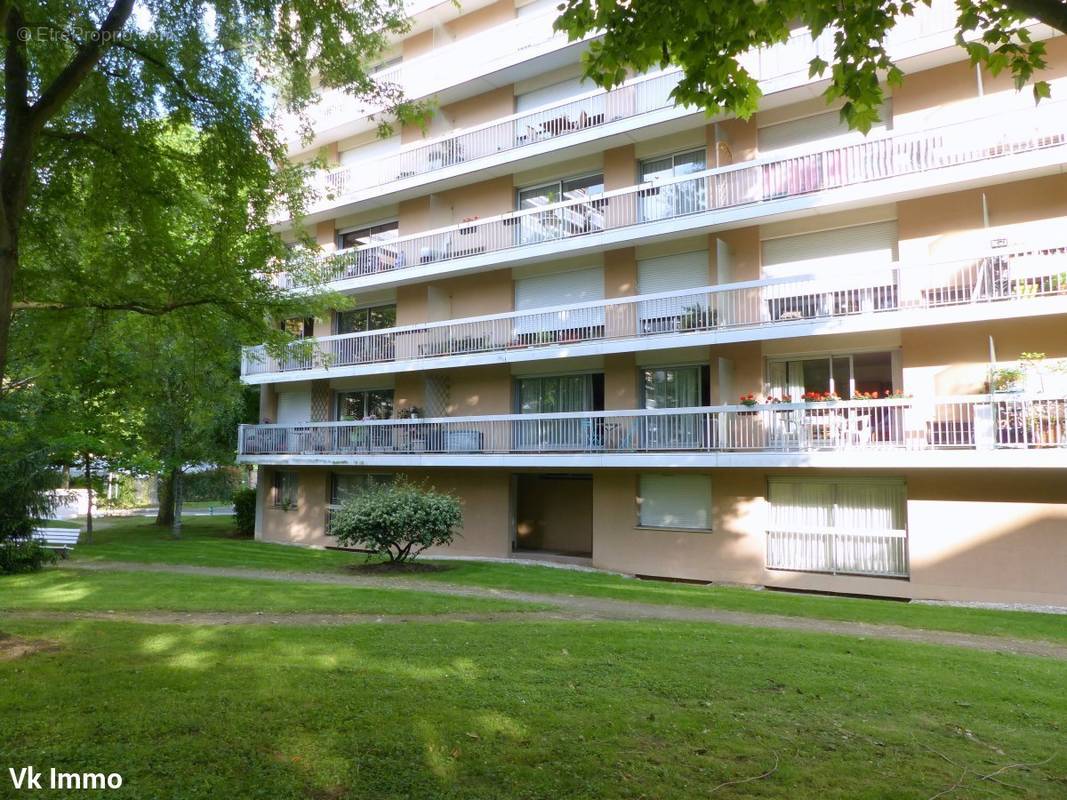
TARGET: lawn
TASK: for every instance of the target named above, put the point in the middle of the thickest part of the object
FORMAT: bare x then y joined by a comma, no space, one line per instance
208,541
67,590
531,710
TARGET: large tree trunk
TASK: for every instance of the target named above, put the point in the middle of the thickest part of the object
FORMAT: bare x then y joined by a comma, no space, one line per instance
88,461
9,259
165,515
176,527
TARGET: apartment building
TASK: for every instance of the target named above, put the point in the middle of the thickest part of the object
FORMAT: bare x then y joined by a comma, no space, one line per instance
769,352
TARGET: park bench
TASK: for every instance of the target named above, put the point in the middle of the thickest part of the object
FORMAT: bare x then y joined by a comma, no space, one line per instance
59,539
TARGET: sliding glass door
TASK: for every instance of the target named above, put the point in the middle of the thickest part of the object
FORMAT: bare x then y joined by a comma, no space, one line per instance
556,394
672,199
674,387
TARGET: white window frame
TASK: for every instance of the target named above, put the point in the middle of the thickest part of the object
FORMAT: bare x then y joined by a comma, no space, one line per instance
824,550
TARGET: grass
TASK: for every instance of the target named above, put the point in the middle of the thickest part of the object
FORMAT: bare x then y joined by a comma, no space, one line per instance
532,710
65,590
208,542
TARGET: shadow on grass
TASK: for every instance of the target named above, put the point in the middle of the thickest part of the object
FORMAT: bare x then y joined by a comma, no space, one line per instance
532,710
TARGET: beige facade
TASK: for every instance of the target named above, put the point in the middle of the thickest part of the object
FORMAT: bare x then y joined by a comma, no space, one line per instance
996,534
989,537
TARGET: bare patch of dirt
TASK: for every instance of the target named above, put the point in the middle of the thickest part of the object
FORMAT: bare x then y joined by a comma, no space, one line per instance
393,568
12,647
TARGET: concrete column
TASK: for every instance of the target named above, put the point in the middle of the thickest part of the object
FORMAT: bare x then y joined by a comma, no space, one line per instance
620,167
263,480
620,382
268,402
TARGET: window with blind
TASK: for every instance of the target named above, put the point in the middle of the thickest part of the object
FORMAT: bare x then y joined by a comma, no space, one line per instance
847,526
674,501
814,128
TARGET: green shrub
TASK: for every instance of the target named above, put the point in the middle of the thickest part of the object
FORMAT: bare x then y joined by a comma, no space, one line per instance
24,555
398,520
244,511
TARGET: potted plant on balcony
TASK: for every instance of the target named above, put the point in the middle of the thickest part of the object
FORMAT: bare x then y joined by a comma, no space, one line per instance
467,230
1006,379
695,318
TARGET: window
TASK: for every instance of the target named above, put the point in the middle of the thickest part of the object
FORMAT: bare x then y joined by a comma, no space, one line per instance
843,375
675,387
560,222
673,166
674,501
560,393
813,128
365,404
345,485
852,526
298,326
372,234
558,191
674,199
283,489
358,320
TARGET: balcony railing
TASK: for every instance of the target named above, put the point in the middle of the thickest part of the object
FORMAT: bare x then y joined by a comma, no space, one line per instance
1013,275
834,166
860,552
960,423
582,113
512,133
467,58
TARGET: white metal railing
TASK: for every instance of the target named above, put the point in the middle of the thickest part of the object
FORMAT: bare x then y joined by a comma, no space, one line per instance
978,422
854,552
1016,275
833,166
589,110
477,54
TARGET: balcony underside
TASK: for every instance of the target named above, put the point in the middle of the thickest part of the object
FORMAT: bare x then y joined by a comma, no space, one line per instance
868,460
784,329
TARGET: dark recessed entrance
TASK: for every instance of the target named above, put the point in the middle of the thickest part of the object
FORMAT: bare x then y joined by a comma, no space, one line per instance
554,514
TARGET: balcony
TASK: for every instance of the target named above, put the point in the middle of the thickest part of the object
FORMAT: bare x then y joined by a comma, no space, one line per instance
1011,282
588,118
882,168
970,432
474,58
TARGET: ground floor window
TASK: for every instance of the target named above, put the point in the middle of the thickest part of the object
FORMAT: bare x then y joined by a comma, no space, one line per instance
283,489
344,486
674,501
848,526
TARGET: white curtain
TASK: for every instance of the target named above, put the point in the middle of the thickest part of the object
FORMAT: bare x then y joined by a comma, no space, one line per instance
869,506
678,387
556,394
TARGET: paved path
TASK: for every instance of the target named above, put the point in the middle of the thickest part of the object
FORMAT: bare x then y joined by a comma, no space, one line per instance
565,607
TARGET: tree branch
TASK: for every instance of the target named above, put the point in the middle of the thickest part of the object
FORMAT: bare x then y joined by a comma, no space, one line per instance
137,308
179,82
1051,12
86,58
